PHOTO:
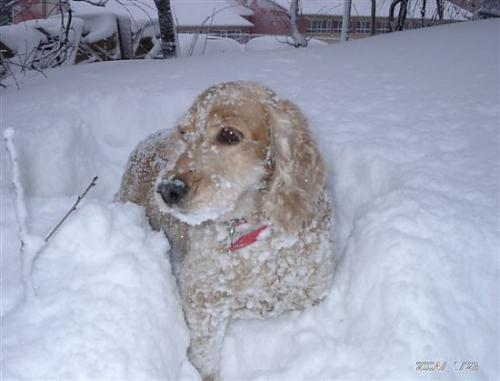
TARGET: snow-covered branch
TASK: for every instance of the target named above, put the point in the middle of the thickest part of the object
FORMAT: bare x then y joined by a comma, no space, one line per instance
29,246
20,205
97,3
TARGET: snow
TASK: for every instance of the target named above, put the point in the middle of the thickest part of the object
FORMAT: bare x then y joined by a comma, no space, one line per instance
21,38
204,44
25,37
104,308
408,124
277,43
98,27
363,8
209,13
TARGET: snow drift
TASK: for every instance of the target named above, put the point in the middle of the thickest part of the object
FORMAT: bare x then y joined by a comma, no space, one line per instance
104,308
408,126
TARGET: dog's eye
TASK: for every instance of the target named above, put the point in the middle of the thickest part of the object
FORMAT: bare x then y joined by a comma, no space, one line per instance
229,135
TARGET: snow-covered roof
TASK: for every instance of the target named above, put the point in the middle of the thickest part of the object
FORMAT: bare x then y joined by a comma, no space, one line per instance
363,8
185,12
210,12
203,44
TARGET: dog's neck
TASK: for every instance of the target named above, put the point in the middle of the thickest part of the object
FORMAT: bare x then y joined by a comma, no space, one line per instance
246,208
245,224
241,234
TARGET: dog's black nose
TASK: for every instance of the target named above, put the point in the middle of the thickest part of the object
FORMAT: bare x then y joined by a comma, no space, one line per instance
172,191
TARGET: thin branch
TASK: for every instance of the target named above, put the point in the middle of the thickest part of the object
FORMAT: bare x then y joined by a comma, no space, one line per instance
44,246
73,208
24,67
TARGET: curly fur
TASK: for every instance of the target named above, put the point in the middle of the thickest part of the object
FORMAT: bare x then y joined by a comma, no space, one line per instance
274,176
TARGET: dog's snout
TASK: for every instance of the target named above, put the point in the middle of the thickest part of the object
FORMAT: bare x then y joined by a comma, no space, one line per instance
173,191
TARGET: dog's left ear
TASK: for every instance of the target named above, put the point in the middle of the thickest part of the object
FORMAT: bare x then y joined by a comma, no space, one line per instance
298,170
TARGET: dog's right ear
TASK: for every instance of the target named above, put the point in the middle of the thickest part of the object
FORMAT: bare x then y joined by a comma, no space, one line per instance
298,176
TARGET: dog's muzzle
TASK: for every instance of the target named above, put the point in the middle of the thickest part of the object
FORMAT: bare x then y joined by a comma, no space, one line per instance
173,191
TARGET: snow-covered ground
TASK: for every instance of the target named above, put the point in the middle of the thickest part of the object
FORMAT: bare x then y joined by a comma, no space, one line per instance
409,126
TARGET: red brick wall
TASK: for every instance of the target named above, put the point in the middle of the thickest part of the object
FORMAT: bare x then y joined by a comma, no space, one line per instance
271,19
268,18
28,10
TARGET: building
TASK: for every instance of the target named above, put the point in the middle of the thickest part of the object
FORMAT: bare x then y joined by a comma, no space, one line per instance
23,10
269,18
124,29
480,8
223,18
322,19
243,19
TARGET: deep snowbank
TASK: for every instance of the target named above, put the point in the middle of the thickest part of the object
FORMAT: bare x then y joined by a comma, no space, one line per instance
408,125
104,307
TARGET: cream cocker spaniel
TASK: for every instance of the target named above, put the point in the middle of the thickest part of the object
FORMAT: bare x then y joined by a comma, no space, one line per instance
239,188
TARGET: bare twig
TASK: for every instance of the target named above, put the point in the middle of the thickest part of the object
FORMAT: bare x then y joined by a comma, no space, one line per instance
73,208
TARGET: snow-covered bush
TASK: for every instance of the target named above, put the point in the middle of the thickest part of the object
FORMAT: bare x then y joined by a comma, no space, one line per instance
41,44
100,40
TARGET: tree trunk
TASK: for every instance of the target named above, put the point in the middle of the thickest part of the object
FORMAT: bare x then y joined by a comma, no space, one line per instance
167,29
403,6
440,9
392,26
402,14
297,37
5,12
373,24
344,32
422,13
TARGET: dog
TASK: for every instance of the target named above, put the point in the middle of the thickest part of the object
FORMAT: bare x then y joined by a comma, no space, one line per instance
239,189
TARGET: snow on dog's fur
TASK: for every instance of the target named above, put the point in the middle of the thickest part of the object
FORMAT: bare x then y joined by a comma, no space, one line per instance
240,161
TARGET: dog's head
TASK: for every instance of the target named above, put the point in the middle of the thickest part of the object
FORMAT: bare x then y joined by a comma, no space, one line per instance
241,151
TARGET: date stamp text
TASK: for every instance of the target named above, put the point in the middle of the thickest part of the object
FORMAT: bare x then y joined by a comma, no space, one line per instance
439,366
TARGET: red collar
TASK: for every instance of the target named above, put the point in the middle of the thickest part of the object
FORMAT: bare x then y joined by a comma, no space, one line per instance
246,239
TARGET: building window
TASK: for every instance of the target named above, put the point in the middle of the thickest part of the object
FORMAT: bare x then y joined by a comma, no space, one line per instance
382,27
321,26
241,36
364,27
337,26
